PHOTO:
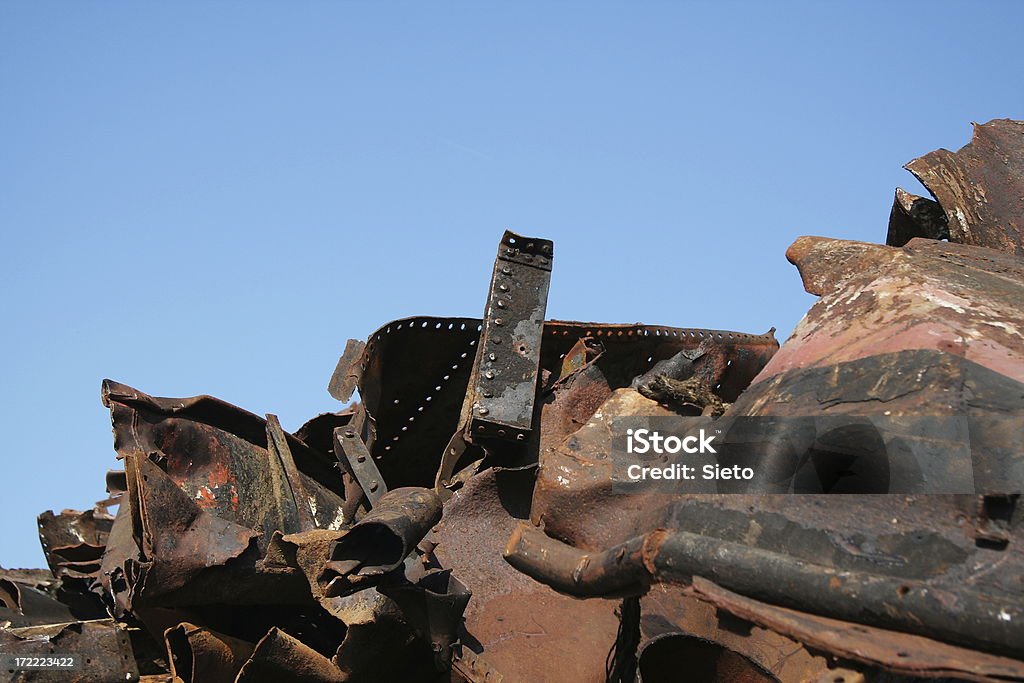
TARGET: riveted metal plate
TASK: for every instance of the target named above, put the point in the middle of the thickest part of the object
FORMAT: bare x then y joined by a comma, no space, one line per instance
353,454
504,382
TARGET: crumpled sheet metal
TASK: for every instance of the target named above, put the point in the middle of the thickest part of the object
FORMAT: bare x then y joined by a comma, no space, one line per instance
220,456
981,187
380,541
73,541
515,627
968,301
199,654
104,648
380,582
28,603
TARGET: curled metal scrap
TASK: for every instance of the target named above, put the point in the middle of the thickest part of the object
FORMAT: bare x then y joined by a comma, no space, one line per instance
980,188
371,544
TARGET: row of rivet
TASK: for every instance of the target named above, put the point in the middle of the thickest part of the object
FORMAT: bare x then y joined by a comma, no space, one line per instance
427,400
491,356
657,332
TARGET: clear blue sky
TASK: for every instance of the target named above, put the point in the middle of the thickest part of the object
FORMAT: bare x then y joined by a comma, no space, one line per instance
212,198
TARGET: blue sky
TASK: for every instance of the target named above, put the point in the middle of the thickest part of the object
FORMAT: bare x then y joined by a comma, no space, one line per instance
200,198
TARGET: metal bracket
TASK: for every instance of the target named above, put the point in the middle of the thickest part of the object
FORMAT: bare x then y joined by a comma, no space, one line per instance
473,667
504,381
349,445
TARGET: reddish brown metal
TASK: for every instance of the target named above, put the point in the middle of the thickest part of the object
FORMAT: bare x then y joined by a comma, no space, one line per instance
967,301
515,627
197,654
981,186
280,657
901,652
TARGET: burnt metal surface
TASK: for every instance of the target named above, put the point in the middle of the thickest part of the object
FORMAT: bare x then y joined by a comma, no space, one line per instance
503,385
469,519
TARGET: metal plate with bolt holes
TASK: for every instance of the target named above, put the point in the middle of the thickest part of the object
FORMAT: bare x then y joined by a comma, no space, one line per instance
505,378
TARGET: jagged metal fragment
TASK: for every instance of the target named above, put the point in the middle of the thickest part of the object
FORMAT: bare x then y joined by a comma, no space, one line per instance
914,216
981,186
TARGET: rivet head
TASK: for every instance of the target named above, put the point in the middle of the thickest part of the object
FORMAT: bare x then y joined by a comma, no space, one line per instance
520,437
492,357
361,458
489,374
482,410
499,322
496,340
350,434
487,394
501,304
506,270
503,287
374,485
527,256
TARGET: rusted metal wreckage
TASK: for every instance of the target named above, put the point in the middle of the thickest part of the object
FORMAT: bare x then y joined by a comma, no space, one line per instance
468,519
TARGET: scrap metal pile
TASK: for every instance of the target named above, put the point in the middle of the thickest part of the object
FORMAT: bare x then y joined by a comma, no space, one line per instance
466,519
